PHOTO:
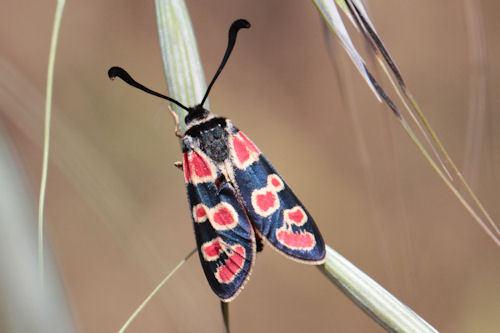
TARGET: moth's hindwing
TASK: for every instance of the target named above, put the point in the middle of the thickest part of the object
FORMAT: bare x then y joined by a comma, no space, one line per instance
224,236
277,214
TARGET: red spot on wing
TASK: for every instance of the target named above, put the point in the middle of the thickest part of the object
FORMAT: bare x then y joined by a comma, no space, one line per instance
232,266
200,167
241,151
275,182
211,250
223,216
295,216
244,151
296,241
266,201
199,213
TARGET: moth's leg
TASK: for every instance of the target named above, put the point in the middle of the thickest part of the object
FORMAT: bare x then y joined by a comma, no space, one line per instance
179,165
258,241
177,125
220,181
223,182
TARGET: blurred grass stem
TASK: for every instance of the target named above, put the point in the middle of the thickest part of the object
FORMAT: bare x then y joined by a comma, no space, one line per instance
46,140
180,57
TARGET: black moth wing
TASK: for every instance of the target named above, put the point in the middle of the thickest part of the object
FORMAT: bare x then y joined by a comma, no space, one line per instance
277,214
224,235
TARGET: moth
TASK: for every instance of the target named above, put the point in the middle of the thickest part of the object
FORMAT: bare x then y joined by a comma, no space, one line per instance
236,197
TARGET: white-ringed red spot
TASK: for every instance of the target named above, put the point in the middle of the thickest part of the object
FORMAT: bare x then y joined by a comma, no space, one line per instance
229,269
200,168
301,240
232,266
211,250
200,213
223,216
265,201
244,151
295,215
275,182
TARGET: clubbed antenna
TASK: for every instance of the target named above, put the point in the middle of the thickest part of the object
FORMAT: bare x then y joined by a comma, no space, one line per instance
233,32
122,74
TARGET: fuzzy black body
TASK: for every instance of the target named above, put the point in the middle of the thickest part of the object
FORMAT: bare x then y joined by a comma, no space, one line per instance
213,137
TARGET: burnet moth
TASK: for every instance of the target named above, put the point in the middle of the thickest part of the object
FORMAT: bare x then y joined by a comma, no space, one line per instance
236,197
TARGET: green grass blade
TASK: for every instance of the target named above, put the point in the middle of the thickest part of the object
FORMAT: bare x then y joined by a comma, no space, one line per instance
374,300
46,140
179,52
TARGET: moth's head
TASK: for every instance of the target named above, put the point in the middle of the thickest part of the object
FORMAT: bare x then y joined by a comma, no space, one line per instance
196,114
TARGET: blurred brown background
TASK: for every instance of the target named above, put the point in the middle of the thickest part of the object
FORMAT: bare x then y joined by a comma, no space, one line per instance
117,216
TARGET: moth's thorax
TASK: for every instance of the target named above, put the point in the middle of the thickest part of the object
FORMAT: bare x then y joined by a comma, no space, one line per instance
211,136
